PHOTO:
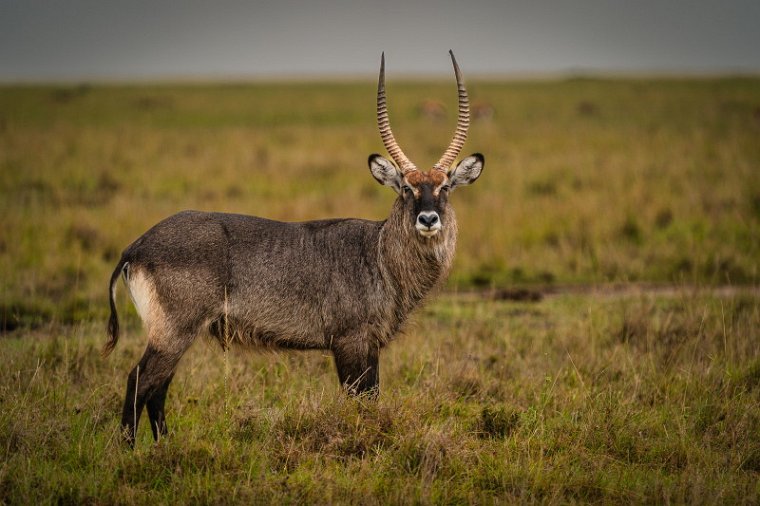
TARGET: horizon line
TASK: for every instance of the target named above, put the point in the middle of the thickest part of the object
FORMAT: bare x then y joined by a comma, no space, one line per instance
341,77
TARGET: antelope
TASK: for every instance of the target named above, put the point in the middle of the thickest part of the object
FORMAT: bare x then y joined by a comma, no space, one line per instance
342,285
432,110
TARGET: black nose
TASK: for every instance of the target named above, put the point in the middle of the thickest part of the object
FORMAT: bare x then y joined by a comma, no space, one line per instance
428,219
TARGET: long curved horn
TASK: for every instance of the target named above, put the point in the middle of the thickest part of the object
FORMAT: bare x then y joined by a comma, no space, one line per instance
463,123
383,123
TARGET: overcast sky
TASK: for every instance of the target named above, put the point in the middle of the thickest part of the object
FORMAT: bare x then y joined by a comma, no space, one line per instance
82,39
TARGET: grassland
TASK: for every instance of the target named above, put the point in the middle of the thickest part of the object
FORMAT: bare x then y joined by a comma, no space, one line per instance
585,397
588,394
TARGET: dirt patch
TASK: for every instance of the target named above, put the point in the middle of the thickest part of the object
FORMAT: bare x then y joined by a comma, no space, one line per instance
517,294
612,290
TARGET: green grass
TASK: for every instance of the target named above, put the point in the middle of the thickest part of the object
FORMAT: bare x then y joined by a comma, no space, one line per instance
586,181
589,395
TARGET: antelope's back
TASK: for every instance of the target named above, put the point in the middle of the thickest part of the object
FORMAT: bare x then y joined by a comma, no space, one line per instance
322,274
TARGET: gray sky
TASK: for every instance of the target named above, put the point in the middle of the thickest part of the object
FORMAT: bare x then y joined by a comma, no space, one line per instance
82,39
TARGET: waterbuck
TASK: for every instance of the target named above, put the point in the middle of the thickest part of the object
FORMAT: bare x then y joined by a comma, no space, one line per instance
344,285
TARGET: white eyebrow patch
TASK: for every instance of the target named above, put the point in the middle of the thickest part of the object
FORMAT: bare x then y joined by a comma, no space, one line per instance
415,190
437,189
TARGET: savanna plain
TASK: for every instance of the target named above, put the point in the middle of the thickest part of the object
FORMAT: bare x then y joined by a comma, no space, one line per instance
598,339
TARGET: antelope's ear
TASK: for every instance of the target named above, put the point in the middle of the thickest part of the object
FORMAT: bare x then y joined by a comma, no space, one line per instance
467,171
385,172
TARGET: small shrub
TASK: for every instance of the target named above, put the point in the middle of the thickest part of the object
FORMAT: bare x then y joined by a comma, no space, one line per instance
541,188
631,231
466,385
497,422
664,218
752,461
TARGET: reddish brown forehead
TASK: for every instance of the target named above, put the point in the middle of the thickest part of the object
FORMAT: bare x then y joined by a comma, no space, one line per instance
433,177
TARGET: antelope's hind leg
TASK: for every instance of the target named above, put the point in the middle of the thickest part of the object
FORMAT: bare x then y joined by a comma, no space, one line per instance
156,413
149,381
148,384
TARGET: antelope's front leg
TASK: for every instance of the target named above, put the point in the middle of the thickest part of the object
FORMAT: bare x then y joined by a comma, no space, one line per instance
357,362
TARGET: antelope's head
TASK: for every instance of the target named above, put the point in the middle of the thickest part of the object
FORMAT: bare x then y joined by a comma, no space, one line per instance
425,194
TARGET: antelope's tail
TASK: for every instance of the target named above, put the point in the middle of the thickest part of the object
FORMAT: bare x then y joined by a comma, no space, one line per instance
113,320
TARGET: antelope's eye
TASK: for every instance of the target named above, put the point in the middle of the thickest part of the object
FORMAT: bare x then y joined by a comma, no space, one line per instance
407,189
445,188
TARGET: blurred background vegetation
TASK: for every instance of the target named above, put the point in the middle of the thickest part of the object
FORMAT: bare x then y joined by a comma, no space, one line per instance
587,181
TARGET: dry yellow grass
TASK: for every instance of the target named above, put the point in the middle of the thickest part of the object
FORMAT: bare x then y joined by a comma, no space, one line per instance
581,397
595,397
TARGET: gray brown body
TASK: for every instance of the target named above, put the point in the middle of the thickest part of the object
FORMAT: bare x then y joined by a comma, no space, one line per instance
311,285
345,285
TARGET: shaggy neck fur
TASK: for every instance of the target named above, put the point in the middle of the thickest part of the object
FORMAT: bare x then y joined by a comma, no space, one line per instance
412,265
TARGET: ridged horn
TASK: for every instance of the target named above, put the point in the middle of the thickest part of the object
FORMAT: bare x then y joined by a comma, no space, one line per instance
383,123
463,123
